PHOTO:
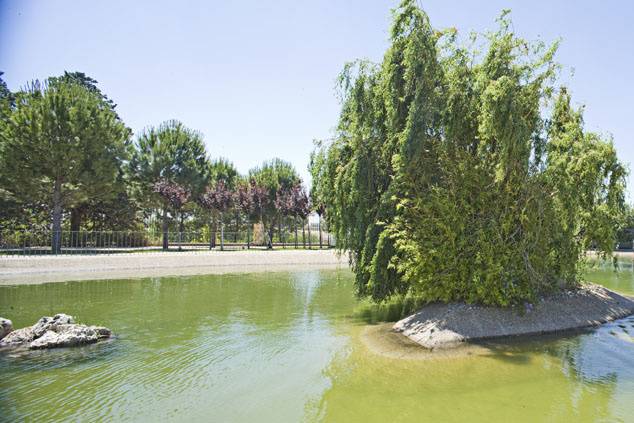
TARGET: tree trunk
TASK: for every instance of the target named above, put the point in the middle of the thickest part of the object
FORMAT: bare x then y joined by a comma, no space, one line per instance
310,241
75,226
165,230
304,233
180,231
319,227
295,223
279,230
270,235
222,233
214,225
211,237
235,234
56,241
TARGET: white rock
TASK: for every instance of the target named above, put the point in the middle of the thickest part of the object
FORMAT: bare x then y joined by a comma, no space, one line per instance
53,332
50,323
6,327
69,335
17,337
45,341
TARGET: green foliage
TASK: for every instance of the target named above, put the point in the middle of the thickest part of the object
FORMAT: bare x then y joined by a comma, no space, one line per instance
170,152
6,97
170,155
223,170
625,235
447,182
317,169
60,132
106,209
87,82
275,175
60,142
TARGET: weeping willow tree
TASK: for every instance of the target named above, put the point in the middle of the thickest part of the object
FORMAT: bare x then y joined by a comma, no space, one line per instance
463,172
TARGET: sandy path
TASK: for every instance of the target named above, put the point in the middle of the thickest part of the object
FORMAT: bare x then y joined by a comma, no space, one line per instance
33,270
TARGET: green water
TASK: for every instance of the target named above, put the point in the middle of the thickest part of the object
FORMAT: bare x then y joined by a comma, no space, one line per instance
284,347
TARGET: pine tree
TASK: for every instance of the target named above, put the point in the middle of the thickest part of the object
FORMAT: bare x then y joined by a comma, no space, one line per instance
59,143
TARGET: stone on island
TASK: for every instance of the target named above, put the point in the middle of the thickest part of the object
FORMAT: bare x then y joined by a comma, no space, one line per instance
51,332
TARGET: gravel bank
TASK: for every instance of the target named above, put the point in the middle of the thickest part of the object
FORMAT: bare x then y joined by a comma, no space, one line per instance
41,269
448,325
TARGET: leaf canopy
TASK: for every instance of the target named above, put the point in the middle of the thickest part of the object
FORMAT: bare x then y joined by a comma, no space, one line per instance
460,175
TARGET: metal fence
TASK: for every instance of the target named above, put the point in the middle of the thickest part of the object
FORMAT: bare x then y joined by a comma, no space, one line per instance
112,242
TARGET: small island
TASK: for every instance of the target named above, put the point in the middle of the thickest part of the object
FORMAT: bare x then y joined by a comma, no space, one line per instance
441,325
462,177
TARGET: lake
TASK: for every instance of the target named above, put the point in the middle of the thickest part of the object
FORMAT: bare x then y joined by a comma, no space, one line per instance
287,347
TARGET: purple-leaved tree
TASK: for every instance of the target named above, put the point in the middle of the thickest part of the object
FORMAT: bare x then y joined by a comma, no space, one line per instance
217,199
174,197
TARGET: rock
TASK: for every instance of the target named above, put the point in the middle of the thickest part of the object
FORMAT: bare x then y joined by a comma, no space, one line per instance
66,336
50,323
102,332
63,319
44,324
48,340
70,335
18,337
54,332
6,327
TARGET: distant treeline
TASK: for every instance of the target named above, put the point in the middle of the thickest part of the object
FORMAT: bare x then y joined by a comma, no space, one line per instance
69,163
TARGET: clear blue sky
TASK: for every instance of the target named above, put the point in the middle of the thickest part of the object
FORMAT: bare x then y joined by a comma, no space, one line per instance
257,78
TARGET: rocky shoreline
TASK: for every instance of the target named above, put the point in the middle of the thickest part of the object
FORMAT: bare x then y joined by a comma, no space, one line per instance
438,326
50,332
